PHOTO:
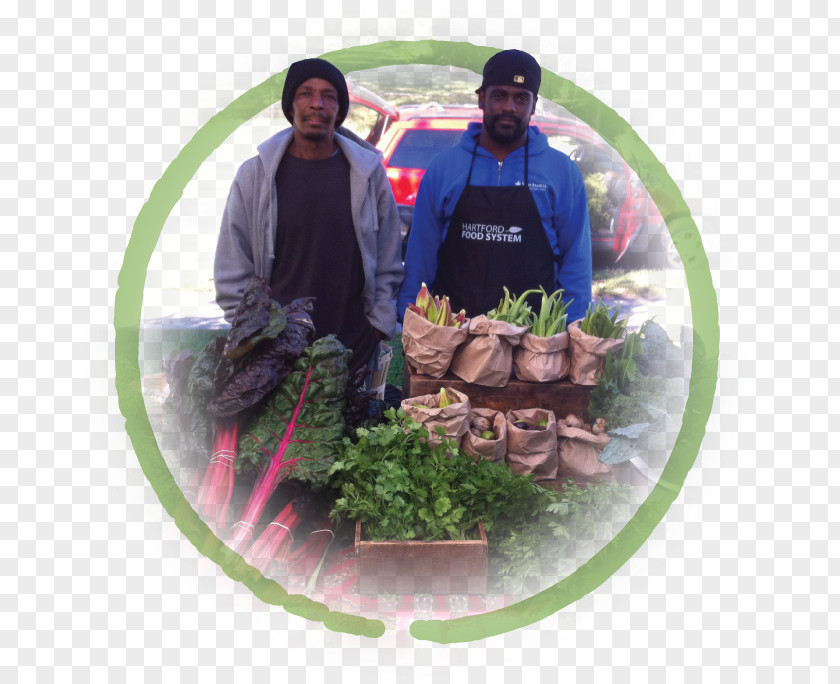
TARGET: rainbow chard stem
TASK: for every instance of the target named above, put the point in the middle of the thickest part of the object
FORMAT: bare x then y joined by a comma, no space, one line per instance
216,490
244,529
275,541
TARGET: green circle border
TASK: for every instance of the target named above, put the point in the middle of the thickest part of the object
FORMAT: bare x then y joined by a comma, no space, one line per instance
703,381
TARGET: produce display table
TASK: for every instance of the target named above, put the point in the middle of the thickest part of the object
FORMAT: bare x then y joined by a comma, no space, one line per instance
562,397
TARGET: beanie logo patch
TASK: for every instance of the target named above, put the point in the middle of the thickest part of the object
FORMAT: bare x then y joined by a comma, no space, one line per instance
518,79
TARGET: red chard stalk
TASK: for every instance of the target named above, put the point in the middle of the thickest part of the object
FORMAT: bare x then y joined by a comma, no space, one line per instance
214,494
297,433
275,541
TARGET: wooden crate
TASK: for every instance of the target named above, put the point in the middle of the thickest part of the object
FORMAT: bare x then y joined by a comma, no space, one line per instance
562,397
421,567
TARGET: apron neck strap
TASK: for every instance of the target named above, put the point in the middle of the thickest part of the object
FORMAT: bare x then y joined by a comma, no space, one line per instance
526,159
472,161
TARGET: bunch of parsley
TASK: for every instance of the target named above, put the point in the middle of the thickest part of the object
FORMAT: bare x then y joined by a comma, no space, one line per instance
403,488
538,553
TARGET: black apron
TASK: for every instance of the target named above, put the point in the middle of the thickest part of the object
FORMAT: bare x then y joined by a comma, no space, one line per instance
495,239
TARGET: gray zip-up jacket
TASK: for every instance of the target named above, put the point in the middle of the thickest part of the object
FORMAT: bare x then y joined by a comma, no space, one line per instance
249,227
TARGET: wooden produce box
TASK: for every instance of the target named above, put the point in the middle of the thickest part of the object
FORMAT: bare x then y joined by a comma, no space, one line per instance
421,567
562,397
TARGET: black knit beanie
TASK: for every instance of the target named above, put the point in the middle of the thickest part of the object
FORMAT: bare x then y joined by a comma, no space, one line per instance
302,71
512,68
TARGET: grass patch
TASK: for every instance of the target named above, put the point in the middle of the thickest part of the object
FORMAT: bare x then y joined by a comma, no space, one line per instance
619,283
395,372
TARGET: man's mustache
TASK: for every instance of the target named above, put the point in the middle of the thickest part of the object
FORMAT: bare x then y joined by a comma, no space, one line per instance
506,117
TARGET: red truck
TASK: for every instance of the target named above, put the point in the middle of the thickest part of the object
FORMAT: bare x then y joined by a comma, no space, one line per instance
624,219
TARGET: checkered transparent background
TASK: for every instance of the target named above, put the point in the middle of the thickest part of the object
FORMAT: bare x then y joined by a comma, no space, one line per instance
736,584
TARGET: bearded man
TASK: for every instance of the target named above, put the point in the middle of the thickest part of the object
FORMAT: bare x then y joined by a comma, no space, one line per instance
502,208
314,216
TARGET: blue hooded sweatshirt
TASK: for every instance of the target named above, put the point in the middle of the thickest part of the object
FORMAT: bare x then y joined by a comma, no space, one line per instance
557,188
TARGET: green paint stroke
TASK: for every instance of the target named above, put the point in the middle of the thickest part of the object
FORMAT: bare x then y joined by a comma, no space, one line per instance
704,312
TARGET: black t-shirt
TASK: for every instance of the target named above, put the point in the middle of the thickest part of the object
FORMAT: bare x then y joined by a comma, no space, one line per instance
317,254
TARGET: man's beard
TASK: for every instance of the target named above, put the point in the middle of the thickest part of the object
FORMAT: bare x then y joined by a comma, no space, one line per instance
316,136
505,136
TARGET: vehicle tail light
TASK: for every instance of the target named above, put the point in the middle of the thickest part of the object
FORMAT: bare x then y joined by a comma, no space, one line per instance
404,183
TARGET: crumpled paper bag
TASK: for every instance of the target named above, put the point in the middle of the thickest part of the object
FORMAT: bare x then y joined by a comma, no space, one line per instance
578,451
532,451
428,347
489,449
486,358
588,354
455,418
542,359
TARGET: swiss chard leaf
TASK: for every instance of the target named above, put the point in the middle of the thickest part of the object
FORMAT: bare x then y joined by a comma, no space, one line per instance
361,407
257,318
303,418
199,390
243,384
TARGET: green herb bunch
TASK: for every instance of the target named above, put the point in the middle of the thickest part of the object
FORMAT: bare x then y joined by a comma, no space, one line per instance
602,321
624,396
545,548
512,309
403,488
552,317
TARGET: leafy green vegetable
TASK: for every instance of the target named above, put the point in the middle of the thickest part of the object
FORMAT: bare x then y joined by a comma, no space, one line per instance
644,402
658,352
361,407
620,369
624,396
552,317
540,550
304,416
603,322
241,382
298,430
401,487
624,444
512,309
257,318
192,404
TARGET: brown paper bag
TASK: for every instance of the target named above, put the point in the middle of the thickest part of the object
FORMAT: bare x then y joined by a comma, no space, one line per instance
486,358
428,347
489,449
380,375
455,418
532,451
578,452
587,355
542,359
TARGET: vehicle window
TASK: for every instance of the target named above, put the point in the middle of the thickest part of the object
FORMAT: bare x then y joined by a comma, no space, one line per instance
604,177
363,121
418,147
564,143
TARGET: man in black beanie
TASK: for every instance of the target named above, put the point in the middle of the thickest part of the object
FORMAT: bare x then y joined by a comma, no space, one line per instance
502,208
314,216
